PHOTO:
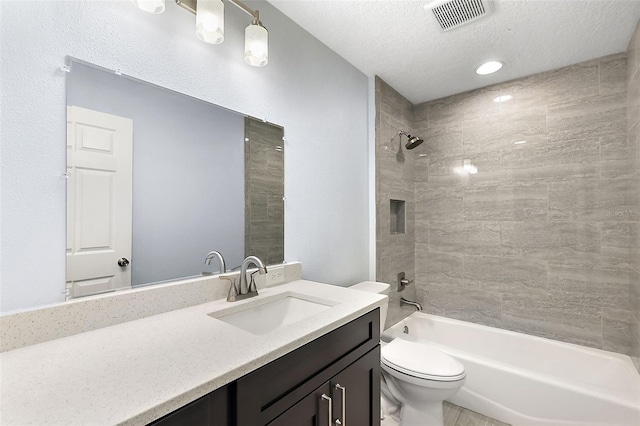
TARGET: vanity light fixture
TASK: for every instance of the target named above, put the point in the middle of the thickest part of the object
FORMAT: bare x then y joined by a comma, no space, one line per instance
489,67
150,6
210,27
210,21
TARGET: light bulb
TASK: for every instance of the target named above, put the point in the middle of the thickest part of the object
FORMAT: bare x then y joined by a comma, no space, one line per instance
150,6
256,45
210,21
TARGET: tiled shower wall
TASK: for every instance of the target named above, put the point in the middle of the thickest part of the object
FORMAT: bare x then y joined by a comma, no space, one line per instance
394,180
539,239
633,141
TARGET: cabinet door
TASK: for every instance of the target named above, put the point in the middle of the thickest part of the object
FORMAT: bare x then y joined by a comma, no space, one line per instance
269,391
213,409
359,386
312,410
195,413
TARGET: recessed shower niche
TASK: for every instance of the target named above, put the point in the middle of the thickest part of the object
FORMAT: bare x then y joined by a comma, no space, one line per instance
397,217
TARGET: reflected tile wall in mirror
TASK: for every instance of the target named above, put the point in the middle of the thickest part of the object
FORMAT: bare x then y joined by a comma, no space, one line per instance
264,190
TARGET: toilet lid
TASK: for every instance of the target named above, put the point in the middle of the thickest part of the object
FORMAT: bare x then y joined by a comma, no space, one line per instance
422,361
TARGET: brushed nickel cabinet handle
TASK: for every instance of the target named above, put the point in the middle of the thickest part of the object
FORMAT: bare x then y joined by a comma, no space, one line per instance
328,399
343,390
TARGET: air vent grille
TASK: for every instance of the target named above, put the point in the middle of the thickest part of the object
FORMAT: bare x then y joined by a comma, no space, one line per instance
451,14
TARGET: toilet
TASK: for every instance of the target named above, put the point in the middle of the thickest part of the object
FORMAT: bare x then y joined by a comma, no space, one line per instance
415,375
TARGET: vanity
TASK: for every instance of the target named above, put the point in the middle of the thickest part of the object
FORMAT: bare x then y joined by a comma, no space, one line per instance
333,377
195,365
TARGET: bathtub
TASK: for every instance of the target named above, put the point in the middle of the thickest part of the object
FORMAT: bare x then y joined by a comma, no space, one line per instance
528,380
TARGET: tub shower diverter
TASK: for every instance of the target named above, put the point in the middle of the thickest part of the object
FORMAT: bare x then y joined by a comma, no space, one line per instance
263,316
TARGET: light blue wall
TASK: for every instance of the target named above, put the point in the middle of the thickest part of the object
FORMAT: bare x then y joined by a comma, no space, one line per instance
188,173
319,98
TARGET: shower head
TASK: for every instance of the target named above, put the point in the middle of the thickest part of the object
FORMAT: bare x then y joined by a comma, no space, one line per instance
413,141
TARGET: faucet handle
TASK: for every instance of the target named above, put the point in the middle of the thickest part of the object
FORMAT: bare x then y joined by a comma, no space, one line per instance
233,289
252,282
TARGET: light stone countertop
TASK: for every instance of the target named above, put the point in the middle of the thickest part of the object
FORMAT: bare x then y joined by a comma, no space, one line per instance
138,371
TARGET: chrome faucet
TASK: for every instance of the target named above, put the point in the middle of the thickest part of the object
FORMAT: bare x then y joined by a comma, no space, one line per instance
416,305
211,255
245,290
248,288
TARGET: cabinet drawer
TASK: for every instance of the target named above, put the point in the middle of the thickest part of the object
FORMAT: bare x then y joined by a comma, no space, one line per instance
269,391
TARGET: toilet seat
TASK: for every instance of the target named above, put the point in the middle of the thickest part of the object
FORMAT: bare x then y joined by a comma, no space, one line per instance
421,361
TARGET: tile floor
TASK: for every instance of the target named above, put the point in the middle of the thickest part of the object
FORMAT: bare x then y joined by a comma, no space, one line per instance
455,415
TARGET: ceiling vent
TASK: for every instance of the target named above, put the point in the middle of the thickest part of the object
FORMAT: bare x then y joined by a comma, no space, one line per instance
451,14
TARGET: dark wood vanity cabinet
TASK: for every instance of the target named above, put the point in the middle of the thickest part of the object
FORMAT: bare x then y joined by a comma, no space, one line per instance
213,409
289,391
352,396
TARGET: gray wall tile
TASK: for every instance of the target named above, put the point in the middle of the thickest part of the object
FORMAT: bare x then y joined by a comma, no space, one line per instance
497,131
633,144
583,118
442,203
548,161
395,176
549,317
635,341
573,82
506,275
551,241
619,156
595,200
613,74
440,268
264,191
467,304
506,202
594,285
545,238
619,242
444,141
616,329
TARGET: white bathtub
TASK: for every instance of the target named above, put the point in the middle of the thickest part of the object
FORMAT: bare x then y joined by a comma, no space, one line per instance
528,380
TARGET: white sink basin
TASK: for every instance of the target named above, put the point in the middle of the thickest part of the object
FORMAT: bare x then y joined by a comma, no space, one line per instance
268,315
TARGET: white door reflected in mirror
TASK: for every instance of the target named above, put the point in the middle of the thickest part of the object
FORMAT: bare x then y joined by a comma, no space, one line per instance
99,201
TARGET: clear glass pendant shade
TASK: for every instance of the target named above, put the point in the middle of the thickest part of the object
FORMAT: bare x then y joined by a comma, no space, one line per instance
150,6
256,45
210,21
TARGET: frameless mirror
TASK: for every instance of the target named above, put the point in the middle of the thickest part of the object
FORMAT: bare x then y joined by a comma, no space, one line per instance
157,179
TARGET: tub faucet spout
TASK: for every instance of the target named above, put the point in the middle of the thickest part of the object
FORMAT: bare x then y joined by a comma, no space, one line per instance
404,301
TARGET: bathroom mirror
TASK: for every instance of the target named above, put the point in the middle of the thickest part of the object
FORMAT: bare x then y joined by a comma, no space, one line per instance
157,179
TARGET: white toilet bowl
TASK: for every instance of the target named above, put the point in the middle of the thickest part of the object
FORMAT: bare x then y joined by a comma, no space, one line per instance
417,375
420,378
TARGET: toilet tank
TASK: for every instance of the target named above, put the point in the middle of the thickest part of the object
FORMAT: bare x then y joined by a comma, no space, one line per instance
380,288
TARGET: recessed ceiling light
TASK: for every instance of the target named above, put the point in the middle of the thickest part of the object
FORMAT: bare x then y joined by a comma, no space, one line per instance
503,98
489,67
519,142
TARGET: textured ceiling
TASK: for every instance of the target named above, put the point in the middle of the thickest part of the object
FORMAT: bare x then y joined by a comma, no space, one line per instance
401,42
